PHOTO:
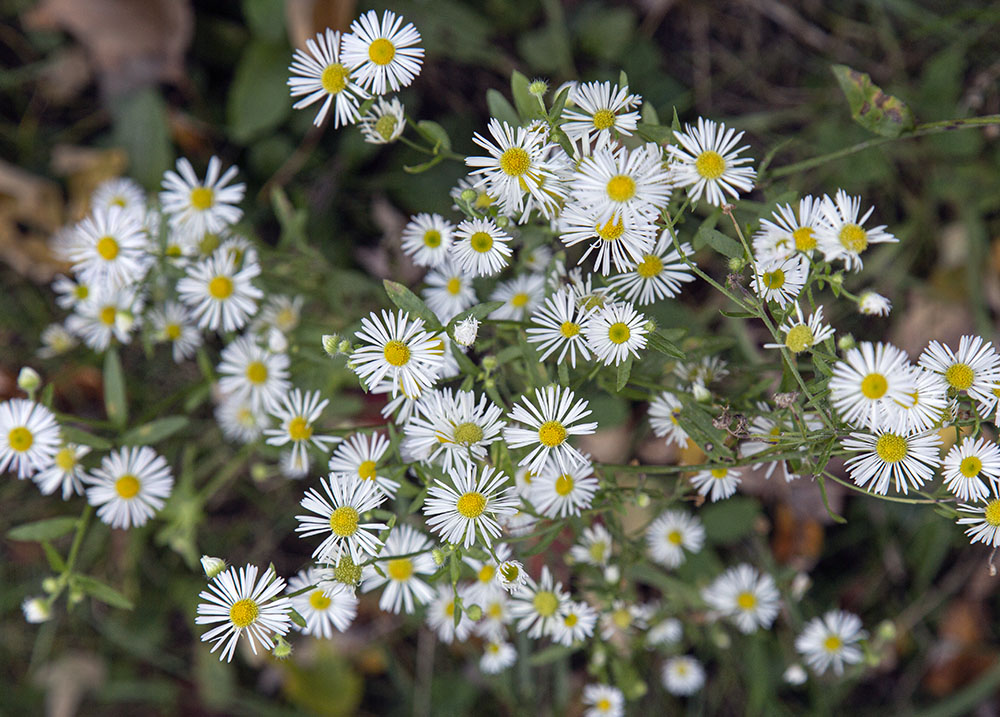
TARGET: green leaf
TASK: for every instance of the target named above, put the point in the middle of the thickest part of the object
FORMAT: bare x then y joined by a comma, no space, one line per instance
872,108
99,591
434,133
649,114
140,127
40,530
550,654
154,431
297,617
52,555
821,480
729,520
658,342
698,423
114,389
654,132
675,123
72,434
727,246
258,97
563,371
411,303
526,103
266,18
500,108
624,371
559,104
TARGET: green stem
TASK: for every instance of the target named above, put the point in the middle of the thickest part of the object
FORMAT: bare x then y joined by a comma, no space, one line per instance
81,528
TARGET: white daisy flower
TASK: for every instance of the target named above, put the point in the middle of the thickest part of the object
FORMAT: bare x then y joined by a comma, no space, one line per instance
239,420
511,575
623,184
321,74
449,291
802,334
244,605
516,168
66,472
384,122
603,701
382,55
359,455
453,428
831,640
406,555
575,624
251,372
497,657
889,455
968,465
594,546
616,332
974,369
495,605
872,303
427,239
121,192
929,401
195,206
707,161
220,296
667,632
709,370
520,296
557,326
110,249
56,341
480,247
841,235
339,514
131,485
717,483
871,383
537,606
657,276
780,280
469,510
108,314
683,675
399,348
558,493
70,292
746,596
324,610
171,322
296,414
623,240
550,421
623,618
399,407
36,609
664,410
536,260
441,615
605,111
790,232
29,437
983,519
671,534
765,432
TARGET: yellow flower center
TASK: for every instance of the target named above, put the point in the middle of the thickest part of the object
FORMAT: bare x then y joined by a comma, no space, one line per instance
571,620
604,119
597,551
603,704
510,571
220,288
381,51
773,279
335,78
519,300
959,376
82,291
20,439
483,200
719,473
454,286
396,353
202,198
622,618
621,188
481,242
344,521
970,466
992,513
468,433
449,609
853,238
127,486
551,433
619,333
610,231
833,643
66,459
243,613
318,601
385,126
746,601
799,338
172,331
107,247
400,569
486,573
710,164
650,266
891,448
471,504
564,484
515,162
805,238
432,238
299,429
546,603
874,386
569,329
366,471
495,611
256,372
674,537
108,315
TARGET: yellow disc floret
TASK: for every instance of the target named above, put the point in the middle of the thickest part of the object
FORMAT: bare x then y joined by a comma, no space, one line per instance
381,51
202,198
243,613
960,376
344,521
20,439
515,161
874,386
551,434
621,188
891,448
799,338
127,486
471,505
710,164
107,247
396,353
853,238
335,78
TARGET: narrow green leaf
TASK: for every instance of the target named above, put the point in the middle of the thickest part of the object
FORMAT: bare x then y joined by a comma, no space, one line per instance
563,374
821,480
550,654
54,558
624,371
99,591
738,314
649,114
72,434
723,244
872,108
154,431
114,389
622,79
526,103
48,529
654,132
500,108
297,617
411,303
675,123
658,342
559,104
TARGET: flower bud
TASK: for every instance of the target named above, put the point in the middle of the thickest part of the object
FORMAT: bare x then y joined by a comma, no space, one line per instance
466,331
212,566
50,585
474,612
276,341
538,87
259,472
36,609
701,394
612,574
489,363
886,631
28,380
800,583
502,221
736,264
438,555
468,195
642,500
846,342
282,650
795,674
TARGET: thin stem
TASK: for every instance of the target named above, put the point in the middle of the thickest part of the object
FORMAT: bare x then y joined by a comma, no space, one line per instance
81,528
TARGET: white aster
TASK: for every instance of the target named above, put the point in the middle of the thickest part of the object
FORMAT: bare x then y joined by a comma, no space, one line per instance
841,234
29,437
746,596
195,206
382,55
337,516
398,348
405,557
889,455
706,160
615,333
251,372
671,534
427,239
467,512
321,74
549,421
130,486
831,640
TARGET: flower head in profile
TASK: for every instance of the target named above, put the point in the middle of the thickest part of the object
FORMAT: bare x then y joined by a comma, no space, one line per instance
384,122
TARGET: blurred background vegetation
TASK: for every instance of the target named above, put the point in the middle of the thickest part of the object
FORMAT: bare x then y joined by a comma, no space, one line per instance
95,88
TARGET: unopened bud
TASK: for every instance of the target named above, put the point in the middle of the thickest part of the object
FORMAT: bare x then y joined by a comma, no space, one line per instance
474,612
701,394
331,344
468,195
846,342
438,555
466,331
795,674
538,87
489,363
282,650
50,585
259,472
642,500
800,583
502,221
28,380
736,264
886,631
212,566
36,609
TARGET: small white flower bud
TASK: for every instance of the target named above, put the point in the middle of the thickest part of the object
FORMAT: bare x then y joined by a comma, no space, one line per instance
612,574
795,674
466,331
36,609
28,380
331,342
701,394
800,583
212,566
276,341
